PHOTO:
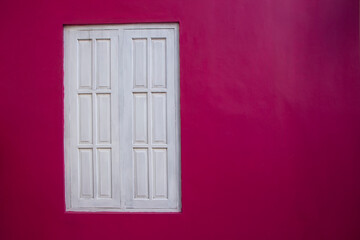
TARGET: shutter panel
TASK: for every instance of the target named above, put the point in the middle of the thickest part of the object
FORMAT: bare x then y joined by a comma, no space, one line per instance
149,123
92,124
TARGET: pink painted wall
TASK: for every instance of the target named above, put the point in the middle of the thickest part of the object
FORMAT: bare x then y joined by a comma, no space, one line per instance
270,110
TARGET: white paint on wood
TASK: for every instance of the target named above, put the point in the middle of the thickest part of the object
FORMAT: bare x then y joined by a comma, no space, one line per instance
92,118
103,66
141,173
140,62
140,118
122,122
160,119
85,59
160,173
86,173
158,62
104,118
85,118
159,115
105,174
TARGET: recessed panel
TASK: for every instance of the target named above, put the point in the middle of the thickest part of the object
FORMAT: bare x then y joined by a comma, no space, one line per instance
104,118
85,64
141,173
159,126
160,177
158,63
103,63
140,63
86,173
104,173
140,118
85,118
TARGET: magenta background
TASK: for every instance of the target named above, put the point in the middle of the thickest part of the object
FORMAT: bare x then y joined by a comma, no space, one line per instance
270,111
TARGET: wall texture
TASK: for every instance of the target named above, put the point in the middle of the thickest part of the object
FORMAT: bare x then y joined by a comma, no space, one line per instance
270,111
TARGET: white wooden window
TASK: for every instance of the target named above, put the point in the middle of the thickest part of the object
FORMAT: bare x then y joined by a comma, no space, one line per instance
122,123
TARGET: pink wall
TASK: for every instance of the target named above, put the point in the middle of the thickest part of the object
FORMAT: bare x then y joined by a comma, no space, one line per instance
270,110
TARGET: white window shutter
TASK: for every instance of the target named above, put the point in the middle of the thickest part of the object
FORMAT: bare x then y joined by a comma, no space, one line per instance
122,124
150,119
93,118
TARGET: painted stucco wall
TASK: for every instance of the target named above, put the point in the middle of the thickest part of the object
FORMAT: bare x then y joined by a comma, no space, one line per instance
270,120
